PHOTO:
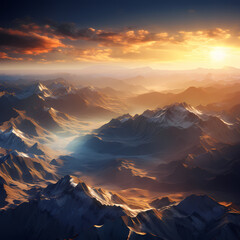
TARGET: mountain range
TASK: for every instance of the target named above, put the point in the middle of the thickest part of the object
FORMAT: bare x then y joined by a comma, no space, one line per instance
179,126
170,172
71,209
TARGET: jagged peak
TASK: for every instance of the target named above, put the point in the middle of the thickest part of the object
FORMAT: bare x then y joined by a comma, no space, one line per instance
80,190
67,180
180,115
37,88
66,184
13,131
201,204
124,117
40,85
181,106
195,198
13,155
177,115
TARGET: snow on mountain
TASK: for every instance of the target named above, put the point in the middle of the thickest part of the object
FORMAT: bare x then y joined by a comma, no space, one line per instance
176,115
70,208
179,115
15,139
124,118
35,98
20,172
38,88
57,114
84,193
60,87
196,217
25,124
61,210
25,168
177,127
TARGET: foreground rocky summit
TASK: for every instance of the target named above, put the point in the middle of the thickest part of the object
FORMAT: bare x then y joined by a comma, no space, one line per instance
70,209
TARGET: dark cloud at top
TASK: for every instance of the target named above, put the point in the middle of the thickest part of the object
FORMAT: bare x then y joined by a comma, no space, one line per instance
18,40
70,30
28,43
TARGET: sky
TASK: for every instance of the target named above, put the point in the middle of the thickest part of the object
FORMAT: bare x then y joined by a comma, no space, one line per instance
161,34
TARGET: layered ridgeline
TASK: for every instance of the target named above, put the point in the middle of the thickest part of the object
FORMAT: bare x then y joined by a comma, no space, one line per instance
34,116
176,149
21,175
178,127
173,149
70,209
36,98
217,96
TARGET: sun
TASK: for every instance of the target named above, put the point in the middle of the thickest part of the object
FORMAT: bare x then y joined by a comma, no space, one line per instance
218,54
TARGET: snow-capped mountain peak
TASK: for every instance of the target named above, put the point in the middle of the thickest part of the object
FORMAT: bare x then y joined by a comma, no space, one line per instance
38,88
79,189
175,115
13,138
124,118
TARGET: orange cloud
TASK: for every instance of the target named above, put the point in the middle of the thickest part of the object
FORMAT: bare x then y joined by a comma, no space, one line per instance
201,35
27,42
66,43
93,54
134,40
4,56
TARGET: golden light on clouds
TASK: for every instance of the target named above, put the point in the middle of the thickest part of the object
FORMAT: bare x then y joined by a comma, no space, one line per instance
199,48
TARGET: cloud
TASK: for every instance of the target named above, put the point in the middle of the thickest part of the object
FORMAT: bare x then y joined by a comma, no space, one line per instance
121,38
66,42
70,30
103,37
201,35
27,42
93,54
4,56
130,37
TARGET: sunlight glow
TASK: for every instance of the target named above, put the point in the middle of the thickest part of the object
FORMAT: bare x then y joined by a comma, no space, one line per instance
218,54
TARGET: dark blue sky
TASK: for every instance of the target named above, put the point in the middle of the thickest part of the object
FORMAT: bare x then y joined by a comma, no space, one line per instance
121,13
